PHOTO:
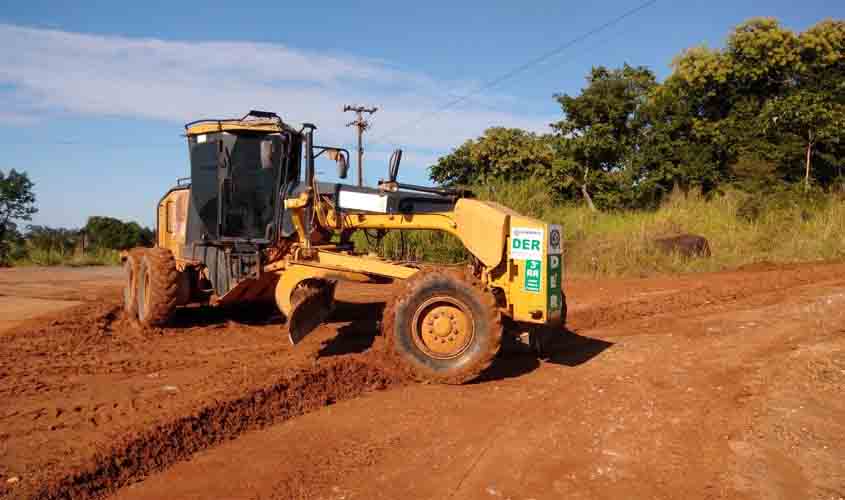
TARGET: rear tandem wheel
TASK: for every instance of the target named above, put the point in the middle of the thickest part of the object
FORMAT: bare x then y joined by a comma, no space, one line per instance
131,266
158,287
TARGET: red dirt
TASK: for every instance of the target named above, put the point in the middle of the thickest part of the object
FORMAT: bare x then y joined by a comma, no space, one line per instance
723,385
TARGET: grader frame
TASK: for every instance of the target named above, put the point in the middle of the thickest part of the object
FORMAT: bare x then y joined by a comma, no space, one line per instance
270,233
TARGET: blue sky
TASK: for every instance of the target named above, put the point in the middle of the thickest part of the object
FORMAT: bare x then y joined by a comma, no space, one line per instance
93,95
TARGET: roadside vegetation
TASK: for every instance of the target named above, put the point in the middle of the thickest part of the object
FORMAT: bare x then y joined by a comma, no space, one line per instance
743,145
38,257
97,244
742,228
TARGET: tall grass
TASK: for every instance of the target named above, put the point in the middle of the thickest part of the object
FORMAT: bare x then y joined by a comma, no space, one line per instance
622,244
740,228
52,257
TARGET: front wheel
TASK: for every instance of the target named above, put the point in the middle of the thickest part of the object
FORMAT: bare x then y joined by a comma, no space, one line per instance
442,328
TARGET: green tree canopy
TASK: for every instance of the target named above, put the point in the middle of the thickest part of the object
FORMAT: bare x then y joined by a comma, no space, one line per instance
108,232
501,153
17,203
767,109
769,94
600,126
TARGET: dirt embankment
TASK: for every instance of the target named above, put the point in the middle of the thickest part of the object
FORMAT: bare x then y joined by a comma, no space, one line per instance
724,385
92,402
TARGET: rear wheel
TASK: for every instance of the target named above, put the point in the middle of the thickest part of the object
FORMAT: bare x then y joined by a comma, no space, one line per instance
158,287
442,328
131,267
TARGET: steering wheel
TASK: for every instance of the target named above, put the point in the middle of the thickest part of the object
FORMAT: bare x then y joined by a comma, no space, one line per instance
393,169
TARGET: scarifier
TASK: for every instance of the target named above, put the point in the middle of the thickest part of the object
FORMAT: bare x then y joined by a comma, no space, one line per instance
252,223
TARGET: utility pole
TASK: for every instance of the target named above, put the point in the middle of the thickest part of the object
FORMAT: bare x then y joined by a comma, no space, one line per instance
361,124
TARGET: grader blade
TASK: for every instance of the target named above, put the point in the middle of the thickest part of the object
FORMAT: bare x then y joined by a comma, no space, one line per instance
312,305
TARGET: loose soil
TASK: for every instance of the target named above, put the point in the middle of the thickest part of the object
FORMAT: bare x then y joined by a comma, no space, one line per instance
725,385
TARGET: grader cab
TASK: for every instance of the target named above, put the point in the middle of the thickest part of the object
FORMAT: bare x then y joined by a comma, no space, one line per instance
254,224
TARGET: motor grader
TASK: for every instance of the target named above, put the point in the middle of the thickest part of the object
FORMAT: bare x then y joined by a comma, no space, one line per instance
252,223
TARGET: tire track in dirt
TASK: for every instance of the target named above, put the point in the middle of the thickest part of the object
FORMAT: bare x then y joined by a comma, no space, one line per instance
693,297
137,456
691,292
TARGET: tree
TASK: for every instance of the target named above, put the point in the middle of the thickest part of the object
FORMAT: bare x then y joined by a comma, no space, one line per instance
670,152
811,105
501,153
822,72
746,114
814,116
768,92
600,126
108,232
17,203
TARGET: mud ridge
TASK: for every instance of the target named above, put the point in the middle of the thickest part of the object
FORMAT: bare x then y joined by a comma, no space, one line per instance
697,295
152,451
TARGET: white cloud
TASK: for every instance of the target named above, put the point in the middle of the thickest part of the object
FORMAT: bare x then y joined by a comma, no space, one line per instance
56,71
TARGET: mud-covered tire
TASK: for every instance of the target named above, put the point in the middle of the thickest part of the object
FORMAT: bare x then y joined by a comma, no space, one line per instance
158,287
131,268
424,291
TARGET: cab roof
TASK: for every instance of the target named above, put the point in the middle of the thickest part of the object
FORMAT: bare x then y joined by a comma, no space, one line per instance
254,121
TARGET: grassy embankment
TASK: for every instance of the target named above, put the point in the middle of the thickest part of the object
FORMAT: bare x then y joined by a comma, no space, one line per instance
49,257
741,229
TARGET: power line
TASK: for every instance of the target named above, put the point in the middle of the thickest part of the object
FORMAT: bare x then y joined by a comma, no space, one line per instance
519,69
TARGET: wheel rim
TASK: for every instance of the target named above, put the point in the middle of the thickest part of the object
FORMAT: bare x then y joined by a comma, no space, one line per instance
442,327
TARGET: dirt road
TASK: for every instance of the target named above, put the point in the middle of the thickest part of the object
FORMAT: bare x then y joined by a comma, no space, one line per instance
725,385
29,292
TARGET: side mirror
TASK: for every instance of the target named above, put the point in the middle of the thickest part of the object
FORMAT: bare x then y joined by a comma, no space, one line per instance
393,169
342,162
342,166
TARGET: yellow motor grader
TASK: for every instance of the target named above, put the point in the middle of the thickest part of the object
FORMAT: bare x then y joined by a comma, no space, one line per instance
252,223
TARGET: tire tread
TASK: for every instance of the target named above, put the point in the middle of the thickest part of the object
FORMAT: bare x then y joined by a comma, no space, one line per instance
164,281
